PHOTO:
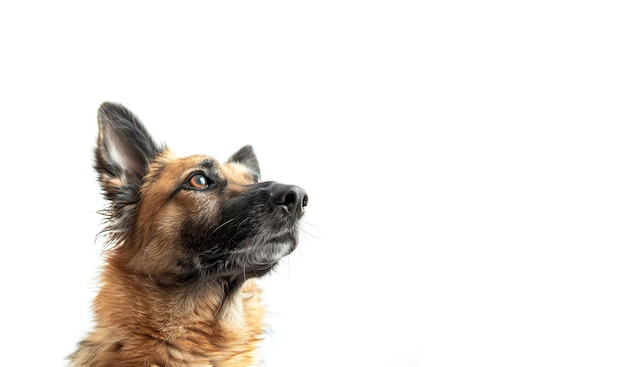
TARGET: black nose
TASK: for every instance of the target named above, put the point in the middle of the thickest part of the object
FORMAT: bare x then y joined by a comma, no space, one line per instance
292,198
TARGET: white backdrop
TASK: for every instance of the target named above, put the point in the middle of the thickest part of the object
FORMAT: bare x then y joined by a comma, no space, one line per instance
465,163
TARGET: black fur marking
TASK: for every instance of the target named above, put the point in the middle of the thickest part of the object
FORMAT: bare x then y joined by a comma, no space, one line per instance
247,223
207,164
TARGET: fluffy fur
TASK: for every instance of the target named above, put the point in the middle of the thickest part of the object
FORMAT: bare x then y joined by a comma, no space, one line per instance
187,236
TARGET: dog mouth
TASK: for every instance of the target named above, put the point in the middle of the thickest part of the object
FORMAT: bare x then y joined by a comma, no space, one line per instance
251,257
269,254
264,253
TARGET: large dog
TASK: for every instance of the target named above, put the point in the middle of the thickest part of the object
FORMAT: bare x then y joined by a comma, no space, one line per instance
187,238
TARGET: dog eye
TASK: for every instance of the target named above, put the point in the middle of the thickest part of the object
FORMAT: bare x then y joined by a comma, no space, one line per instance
199,181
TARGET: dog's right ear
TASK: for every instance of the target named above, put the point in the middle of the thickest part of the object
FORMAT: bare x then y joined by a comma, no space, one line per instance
123,153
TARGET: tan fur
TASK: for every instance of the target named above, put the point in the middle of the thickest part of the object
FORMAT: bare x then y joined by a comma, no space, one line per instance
139,321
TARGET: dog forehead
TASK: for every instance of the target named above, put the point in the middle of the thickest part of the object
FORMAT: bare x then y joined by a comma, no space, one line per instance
169,166
172,167
237,172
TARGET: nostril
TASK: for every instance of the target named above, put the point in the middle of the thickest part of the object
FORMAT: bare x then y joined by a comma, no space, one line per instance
305,200
290,199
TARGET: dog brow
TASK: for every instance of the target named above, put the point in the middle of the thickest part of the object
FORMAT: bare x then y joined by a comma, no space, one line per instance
207,164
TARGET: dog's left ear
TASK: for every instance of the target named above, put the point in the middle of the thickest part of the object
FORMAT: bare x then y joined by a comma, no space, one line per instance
247,157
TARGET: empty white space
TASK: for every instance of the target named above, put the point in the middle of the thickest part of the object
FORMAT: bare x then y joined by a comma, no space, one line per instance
465,163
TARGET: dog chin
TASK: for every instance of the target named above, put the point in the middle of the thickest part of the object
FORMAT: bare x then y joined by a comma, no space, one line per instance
277,250
266,254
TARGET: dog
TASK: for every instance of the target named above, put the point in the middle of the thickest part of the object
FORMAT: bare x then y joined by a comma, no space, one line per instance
187,236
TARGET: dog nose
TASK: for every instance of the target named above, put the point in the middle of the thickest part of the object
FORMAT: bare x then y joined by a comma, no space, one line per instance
293,198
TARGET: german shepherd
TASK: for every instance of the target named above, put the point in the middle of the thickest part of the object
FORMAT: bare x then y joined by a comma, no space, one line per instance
187,236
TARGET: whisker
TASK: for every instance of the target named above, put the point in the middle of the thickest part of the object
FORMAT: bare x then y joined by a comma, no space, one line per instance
220,226
240,230
309,234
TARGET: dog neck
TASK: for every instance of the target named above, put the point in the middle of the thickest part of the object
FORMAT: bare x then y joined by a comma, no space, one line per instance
205,322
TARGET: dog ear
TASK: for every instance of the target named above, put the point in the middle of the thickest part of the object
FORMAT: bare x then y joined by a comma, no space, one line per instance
247,157
123,152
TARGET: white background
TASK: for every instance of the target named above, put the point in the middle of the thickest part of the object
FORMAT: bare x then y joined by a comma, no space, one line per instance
465,162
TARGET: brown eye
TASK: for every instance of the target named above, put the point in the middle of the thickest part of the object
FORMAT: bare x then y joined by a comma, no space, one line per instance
199,181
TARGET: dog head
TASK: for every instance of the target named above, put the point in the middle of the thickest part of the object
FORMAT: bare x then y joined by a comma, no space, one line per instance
183,219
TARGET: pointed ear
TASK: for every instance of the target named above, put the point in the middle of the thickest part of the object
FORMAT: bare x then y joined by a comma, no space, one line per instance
247,157
123,152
